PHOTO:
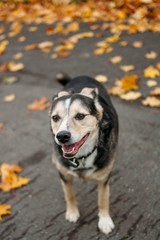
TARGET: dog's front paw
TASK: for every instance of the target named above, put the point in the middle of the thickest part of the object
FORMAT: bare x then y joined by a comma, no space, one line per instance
72,215
105,224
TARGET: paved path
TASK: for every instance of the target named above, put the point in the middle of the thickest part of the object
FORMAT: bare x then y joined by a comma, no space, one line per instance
38,208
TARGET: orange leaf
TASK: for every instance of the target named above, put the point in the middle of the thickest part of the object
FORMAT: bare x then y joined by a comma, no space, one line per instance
1,125
39,105
4,210
130,82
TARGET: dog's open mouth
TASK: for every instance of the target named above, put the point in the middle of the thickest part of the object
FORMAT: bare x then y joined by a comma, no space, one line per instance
72,149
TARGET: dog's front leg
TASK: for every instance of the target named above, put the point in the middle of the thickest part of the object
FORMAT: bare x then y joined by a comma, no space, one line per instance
105,223
72,212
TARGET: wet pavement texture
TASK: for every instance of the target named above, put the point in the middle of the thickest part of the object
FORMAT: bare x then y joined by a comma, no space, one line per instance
38,209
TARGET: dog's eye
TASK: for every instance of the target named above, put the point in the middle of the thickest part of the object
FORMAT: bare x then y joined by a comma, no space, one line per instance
55,118
80,116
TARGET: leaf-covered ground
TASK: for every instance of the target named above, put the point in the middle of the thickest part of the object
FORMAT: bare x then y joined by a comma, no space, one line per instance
117,17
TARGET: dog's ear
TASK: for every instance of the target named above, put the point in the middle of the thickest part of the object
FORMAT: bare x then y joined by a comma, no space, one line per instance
90,92
62,93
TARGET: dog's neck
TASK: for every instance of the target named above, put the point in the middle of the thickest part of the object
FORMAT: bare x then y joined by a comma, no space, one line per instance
75,162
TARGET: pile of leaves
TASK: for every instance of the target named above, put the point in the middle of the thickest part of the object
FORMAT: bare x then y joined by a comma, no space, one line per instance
9,181
129,16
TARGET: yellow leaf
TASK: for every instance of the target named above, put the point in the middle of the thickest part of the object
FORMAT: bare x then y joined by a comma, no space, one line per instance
116,59
9,98
156,91
151,55
9,179
32,29
113,39
127,68
101,78
99,51
4,210
18,55
151,102
130,96
45,44
151,83
151,72
116,91
31,47
123,43
72,27
137,44
14,67
3,46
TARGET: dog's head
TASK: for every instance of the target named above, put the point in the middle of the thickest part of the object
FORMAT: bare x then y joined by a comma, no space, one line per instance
75,120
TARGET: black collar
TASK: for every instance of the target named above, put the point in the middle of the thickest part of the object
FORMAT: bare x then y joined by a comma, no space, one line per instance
74,162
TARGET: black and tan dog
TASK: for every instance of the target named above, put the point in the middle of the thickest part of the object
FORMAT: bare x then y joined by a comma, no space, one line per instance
84,124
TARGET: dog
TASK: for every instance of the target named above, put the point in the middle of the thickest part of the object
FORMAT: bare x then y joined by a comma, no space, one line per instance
84,125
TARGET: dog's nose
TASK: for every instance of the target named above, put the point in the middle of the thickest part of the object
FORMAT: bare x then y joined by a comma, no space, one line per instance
63,136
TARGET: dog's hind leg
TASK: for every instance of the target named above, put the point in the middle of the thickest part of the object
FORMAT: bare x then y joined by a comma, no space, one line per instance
105,223
72,212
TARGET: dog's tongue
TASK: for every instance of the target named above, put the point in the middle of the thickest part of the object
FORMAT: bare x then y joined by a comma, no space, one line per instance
71,150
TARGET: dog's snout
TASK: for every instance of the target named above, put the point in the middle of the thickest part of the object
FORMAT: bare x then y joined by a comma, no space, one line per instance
63,136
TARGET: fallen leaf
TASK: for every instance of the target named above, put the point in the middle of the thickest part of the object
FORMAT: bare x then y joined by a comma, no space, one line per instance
155,92
151,72
45,44
32,29
123,43
18,55
72,27
21,39
14,67
10,80
127,68
115,59
1,125
4,67
9,98
3,46
137,44
130,82
101,78
64,54
31,47
151,83
151,55
116,91
130,96
39,105
9,179
158,65
5,209
151,102
112,39
54,56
